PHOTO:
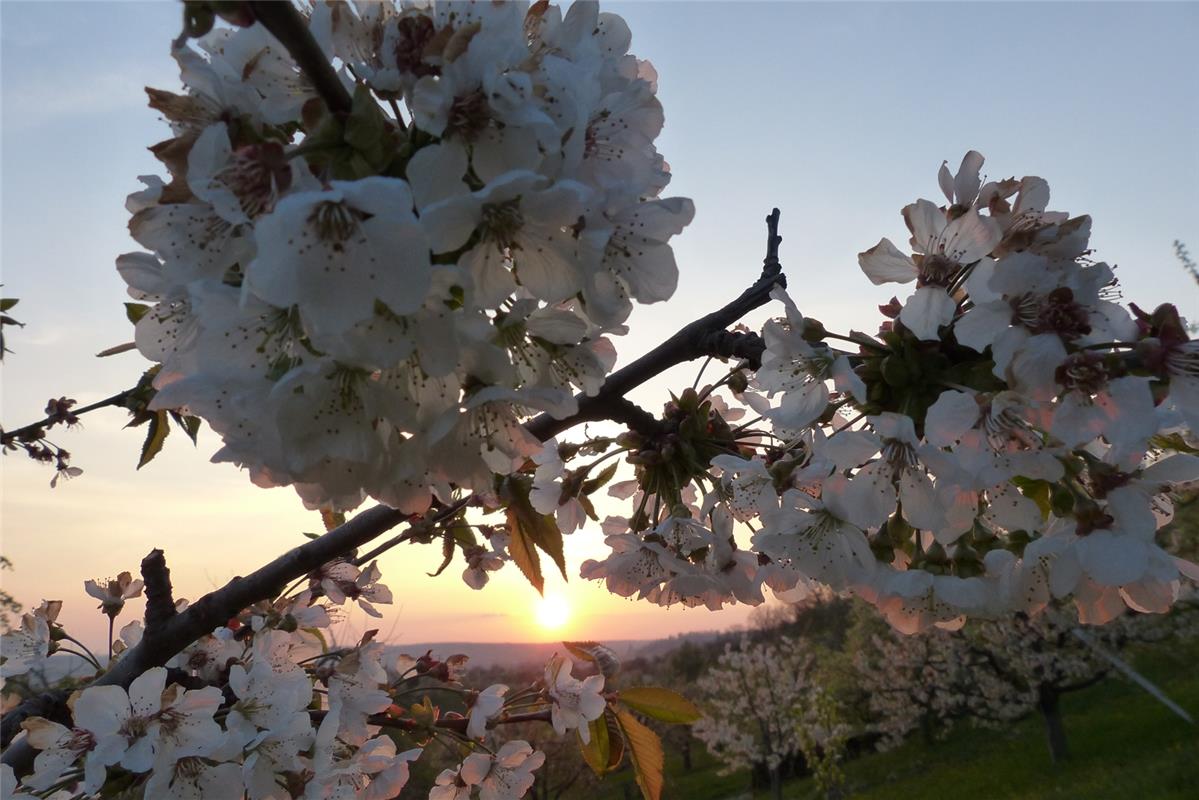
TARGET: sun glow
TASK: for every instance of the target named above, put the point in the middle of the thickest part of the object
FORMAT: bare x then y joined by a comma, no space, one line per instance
552,611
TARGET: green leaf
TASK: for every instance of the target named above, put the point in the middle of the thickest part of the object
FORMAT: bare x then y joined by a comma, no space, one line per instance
660,704
310,535
447,553
603,657
524,553
592,484
1172,441
598,751
190,425
7,303
366,132
645,748
135,311
160,427
526,523
1040,492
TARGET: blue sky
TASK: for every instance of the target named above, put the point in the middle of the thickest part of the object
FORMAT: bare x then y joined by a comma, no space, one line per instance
838,113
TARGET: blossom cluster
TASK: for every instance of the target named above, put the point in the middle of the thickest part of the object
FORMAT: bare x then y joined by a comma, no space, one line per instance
1011,435
370,303
266,708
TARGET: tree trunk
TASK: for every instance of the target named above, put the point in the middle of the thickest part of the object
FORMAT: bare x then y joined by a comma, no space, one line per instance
687,754
776,783
1048,703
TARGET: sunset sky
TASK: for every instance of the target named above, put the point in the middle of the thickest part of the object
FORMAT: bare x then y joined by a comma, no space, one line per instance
838,114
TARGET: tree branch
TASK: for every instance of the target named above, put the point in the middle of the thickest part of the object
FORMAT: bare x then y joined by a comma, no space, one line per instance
692,341
285,24
216,608
160,602
18,434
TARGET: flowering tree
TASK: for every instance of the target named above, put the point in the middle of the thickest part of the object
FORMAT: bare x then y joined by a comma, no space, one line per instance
763,709
388,260
996,671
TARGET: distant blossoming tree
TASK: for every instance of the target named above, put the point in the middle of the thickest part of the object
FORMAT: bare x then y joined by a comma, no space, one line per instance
763,708
388,259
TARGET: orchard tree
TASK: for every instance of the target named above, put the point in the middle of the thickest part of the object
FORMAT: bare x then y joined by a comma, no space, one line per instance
763,709
388,259
996,671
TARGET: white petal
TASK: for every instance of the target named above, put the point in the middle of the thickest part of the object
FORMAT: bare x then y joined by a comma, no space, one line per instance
884,263
927,310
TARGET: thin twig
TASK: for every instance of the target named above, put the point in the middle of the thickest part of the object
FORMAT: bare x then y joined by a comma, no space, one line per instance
690,342
19,433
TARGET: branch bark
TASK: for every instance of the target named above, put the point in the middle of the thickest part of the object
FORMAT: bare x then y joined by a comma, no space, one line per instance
160,601
285,24
692,341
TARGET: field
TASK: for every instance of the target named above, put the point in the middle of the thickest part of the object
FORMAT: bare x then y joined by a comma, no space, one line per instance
1124,745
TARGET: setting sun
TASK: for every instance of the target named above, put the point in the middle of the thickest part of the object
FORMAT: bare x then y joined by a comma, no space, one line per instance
552,611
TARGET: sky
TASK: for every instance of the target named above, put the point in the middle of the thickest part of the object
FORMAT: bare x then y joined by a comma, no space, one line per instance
837,113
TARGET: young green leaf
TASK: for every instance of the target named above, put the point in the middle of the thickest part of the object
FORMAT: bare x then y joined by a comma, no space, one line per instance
524,553
660,704
160,426
645,748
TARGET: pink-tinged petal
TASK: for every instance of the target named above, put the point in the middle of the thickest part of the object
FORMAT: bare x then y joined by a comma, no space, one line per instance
1150,597
950,417
1077,420
1187,568
927,310
1128,403
1112,559
884,263
870,496
846,381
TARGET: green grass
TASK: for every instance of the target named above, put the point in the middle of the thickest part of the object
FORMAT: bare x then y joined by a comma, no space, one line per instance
1124,745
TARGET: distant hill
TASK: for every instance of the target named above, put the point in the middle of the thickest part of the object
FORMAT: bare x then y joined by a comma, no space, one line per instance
518,654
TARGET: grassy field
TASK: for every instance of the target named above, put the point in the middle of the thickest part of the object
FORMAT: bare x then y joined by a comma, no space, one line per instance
1124,745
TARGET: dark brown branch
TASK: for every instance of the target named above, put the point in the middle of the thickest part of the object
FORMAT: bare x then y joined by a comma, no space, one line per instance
18,434
690,342
51,705
287,25
216,608
160,601
741,345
